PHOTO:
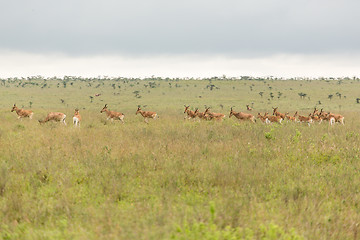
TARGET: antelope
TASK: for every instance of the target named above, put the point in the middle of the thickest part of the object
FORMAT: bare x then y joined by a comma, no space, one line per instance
55,116
248,108
77,118
113,115
242,116
290,118
147,114
211,115
200,115
22,113
271,119
190,114
276,113
262,118
338,118
304,119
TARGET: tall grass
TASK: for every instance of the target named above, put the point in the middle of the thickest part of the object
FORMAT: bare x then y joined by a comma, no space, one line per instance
174,179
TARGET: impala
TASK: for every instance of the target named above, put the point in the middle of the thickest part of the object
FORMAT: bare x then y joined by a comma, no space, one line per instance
242,116
190,114
211,115
147,114
276,113
54,116
22,113
112,114
77,118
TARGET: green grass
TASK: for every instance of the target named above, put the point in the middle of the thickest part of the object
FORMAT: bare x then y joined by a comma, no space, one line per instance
176,179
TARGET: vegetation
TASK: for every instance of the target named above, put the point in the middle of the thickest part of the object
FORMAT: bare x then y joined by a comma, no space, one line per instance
176,178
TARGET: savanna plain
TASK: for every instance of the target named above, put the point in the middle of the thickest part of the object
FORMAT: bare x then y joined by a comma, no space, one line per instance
174,178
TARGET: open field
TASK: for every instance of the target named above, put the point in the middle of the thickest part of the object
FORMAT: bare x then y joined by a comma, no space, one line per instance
176,179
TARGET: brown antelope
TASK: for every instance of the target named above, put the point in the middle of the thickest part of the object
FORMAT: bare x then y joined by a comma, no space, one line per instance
262,118
290,118
211,115
113,115
190,114
338,118
54,116
22,113
272,119
276,113
200,115
147,114
248,108
242,116
304,119
77,118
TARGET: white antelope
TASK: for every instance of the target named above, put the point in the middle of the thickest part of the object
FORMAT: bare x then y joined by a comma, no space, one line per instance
22,113
54,116
77,118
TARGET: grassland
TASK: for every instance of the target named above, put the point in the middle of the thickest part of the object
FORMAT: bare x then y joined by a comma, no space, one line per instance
176,179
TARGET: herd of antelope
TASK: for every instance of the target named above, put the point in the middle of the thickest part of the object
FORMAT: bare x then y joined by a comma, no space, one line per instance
276,117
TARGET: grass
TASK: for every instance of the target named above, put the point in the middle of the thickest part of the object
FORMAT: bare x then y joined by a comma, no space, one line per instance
176,179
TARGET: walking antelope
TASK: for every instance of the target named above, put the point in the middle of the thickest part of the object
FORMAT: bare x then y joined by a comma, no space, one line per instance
276,113
22,113
248,108
77,118
304,119
112,114
190,114
54,116
262,118
272,119
147,114
242,116
211,115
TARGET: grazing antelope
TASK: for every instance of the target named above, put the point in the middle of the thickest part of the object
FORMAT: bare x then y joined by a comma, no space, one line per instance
54,116
211,115
276,113
248,108
22,113
290,118
190,114
147,114
77,118
272,119
242,116
113,115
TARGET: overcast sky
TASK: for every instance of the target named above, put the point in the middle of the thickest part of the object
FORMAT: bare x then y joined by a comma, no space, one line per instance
193,38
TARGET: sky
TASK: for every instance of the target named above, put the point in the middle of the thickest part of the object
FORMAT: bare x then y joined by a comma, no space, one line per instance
188,38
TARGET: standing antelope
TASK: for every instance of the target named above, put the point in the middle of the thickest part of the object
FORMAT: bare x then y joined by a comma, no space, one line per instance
147,114
77,118
271,119
242,116
190,114
304,119
276,113
22,113
113,115
55,116
290,118
211,115
338,118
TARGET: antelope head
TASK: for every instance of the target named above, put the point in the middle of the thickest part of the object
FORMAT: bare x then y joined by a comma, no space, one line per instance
76,111
275,110
231,112
104,109
196,110
186,108
138,111
14,107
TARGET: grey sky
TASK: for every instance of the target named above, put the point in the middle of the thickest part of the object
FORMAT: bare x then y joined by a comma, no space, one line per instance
231,29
